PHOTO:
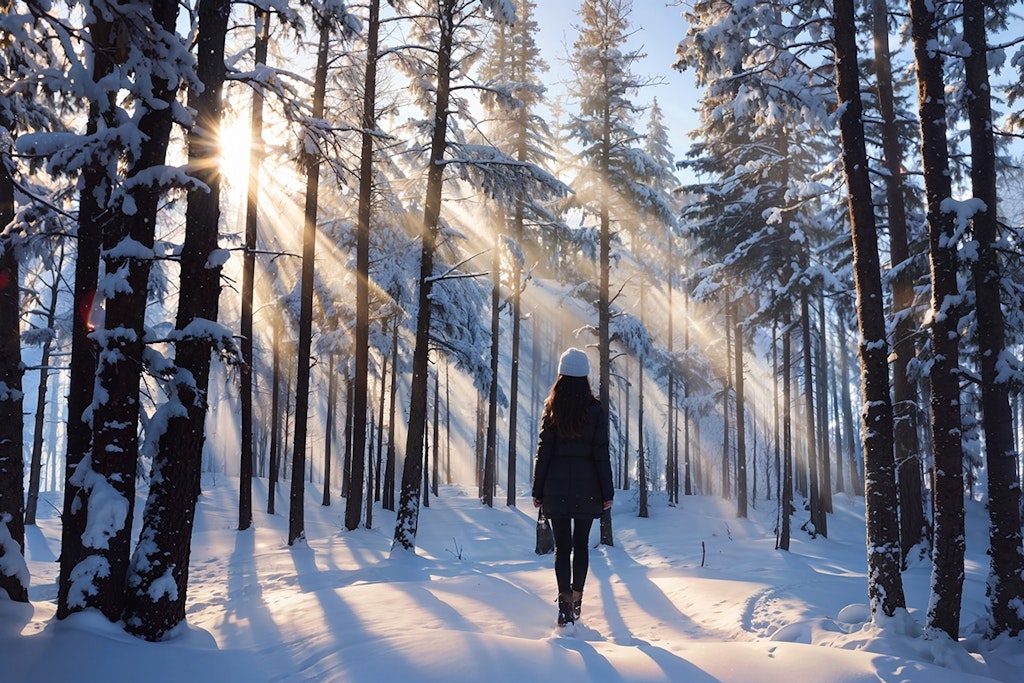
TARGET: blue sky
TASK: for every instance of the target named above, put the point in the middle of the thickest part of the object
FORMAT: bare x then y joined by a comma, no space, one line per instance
658,28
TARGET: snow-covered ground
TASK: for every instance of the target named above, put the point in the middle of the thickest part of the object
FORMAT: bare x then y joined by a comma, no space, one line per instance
689,594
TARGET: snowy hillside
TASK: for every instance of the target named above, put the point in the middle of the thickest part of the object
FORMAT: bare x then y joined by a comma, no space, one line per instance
476,604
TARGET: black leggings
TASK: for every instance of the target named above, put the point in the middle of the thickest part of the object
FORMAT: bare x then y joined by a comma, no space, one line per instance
571,535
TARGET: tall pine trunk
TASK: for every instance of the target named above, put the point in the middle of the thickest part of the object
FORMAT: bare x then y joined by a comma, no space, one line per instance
913,528
332,397
14,578
245,464
741,437
948,545
154,606
785,498
297,497
819,521
361,342
490,444
604,314
388,499
127,258
36,463
1006,555
96,182
274,468
407,519
885,585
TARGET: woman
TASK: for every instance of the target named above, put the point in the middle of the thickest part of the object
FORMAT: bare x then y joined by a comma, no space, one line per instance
572,475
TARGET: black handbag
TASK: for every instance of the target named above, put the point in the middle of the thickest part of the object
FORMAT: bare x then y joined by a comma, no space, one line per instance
545,536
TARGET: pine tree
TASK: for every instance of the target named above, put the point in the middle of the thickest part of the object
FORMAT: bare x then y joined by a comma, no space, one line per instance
155,605
610,183
447,26
127,258
1006,575
245,469
913,528
514,67
361,341
14,577
885,585
97,178
948,508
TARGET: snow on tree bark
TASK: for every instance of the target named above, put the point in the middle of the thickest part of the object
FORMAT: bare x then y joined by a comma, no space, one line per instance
362,330
407,519
14,577
96,183
885,585
948,538
245,466
311,160
1006,573
157,582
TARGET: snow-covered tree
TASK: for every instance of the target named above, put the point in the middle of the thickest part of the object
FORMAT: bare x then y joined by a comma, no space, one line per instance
157,581
1006,578
449,29
885,585
612,166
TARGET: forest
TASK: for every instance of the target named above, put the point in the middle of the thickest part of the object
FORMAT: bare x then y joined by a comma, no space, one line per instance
322,241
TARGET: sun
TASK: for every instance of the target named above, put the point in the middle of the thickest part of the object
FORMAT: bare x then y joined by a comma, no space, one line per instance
235,147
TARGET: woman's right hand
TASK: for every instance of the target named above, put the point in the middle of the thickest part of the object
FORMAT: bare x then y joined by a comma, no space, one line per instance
536,502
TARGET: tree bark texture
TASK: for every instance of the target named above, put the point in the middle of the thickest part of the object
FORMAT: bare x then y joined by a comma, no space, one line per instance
885,584
407,520
1006,555
155,606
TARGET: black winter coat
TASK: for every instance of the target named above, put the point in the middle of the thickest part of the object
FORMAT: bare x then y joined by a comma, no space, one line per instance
573,477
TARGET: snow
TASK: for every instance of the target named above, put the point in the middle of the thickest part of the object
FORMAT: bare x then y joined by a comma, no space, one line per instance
689,594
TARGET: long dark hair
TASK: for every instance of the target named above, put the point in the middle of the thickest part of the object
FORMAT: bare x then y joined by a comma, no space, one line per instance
566,407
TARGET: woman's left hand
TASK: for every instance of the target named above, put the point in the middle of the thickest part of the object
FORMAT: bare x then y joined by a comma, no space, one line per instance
607,505
536,502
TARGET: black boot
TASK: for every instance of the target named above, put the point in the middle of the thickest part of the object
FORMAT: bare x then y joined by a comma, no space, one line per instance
565,611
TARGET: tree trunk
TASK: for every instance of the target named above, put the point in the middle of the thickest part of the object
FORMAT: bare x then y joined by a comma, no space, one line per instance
641,452
786,484
346,438
381,404
727,396
490,456
819,521
687,456
776,433
824,460
837,437
361,342
407,519
913,528
127,257
296,499
885,585
435,465
97,177
275,416
245,462
1006,555
153,607
14,578
948,545
332,396
741,437
846,404
389,470
36,464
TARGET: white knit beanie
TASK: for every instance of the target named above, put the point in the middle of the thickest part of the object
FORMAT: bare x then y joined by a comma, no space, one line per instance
574,363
